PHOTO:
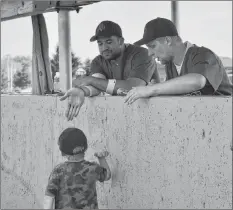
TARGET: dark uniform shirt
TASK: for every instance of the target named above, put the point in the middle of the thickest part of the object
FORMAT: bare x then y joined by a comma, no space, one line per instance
73,184
133,63
203,61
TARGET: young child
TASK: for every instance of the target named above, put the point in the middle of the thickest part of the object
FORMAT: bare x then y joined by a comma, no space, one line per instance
72,184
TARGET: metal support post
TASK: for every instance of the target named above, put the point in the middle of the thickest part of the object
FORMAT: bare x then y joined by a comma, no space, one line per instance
65,64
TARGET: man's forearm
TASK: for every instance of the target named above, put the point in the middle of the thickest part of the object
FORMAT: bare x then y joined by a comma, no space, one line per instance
91,91
180,85
102,84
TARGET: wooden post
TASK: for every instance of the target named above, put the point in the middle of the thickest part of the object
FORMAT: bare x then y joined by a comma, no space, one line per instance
65,65
174,13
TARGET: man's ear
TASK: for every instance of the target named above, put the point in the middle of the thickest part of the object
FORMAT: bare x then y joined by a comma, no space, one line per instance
121,40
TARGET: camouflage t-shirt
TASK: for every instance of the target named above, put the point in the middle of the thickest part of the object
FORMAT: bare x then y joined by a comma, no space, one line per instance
73,184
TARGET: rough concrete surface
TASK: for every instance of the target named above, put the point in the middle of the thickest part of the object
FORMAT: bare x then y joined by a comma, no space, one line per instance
165,152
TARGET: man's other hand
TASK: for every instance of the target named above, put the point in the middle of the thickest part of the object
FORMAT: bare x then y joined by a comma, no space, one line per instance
138,92
75,101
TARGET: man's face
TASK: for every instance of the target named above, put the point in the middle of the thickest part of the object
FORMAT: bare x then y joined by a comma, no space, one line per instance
160,49
110,47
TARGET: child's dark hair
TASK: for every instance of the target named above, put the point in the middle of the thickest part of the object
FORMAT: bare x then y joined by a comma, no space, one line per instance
72,141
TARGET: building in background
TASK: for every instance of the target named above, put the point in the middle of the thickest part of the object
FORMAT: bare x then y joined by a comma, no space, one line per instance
80,72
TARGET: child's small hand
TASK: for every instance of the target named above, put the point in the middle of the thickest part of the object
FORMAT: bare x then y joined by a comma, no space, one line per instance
101,154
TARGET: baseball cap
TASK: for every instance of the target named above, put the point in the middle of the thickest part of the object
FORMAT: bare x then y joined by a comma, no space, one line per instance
71,138
106,29
156,28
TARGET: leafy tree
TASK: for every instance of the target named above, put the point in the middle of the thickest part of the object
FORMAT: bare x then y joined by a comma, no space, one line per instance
4,80
87,65
22,59
76,62
55,62
21,77
15,65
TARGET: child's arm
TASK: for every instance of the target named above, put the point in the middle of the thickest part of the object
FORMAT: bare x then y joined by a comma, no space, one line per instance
49,202
52,188
101,156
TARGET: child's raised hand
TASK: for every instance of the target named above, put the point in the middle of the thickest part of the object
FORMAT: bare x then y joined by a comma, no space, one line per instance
101,154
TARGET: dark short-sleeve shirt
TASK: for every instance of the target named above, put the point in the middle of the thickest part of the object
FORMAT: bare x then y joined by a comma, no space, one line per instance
133,63
203,61
73,184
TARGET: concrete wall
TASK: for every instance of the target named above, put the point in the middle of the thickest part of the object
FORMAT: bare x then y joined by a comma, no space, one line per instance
166,152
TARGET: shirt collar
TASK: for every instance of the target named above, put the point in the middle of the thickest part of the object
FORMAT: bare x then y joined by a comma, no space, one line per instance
118,60
188,45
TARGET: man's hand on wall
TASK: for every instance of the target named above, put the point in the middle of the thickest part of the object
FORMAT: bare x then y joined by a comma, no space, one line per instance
138,92
75,101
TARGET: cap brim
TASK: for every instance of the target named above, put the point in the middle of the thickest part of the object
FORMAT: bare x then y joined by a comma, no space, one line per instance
140,42
94,38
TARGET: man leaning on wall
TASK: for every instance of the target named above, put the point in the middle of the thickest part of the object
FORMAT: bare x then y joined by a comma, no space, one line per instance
190,69
118,68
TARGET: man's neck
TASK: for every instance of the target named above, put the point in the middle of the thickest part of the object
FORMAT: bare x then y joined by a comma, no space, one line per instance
117,58
179,54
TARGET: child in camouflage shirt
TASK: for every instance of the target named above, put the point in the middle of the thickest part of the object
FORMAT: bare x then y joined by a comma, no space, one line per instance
72,184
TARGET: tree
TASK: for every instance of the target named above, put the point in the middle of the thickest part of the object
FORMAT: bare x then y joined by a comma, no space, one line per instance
12,65
55,63
21,77
4,80
87,65
22,59
76,62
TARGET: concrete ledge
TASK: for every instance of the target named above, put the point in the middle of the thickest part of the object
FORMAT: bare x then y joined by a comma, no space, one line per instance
165,152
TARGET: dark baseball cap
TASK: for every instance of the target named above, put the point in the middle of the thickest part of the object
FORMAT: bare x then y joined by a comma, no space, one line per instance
107,29
71,138
156,28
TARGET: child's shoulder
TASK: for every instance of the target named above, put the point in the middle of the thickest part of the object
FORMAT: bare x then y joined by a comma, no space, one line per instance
91,164
94,166
60,165
59,168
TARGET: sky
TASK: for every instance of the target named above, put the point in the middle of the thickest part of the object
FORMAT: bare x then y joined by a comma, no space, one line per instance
205,23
